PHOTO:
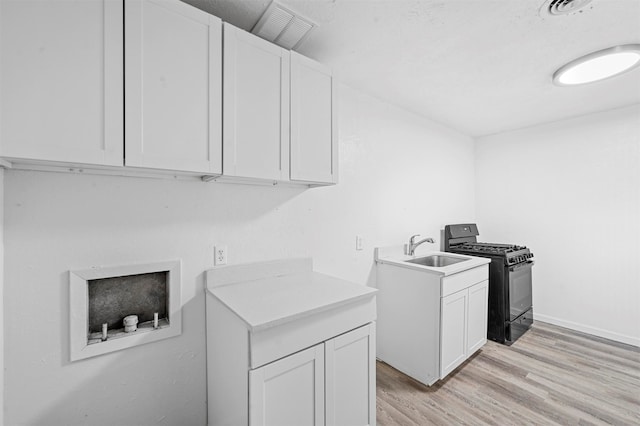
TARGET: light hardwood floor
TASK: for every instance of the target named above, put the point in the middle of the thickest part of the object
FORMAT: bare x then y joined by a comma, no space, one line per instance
551,375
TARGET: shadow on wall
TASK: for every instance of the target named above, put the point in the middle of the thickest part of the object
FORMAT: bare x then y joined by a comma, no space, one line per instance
135,203
372,276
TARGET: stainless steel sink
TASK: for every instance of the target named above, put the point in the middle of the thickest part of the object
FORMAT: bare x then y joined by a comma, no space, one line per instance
436,260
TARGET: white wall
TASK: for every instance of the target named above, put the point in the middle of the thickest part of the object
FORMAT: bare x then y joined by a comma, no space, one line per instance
574,199
391,165
1,273
2,297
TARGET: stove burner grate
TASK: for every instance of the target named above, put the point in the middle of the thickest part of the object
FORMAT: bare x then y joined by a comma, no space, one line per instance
490,247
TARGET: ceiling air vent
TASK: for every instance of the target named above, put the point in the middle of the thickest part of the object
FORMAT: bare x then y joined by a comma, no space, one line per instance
282,27
563,7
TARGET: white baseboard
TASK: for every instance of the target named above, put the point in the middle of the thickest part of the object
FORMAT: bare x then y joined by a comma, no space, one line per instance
629,340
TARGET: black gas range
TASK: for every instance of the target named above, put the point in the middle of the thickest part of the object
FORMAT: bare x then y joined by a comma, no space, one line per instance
510,281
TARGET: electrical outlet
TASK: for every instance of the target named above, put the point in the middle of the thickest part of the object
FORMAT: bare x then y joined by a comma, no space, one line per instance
220,255
358,242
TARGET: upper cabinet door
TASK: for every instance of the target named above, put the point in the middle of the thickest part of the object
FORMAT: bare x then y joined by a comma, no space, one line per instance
314,153
173,87
61,81
256,107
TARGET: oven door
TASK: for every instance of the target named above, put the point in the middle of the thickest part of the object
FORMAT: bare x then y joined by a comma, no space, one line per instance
520,289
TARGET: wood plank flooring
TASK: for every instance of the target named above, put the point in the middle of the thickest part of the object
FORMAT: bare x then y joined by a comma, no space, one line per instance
550,376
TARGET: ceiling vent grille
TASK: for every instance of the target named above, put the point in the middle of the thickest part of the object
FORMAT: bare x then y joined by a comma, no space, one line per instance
563,7
282,27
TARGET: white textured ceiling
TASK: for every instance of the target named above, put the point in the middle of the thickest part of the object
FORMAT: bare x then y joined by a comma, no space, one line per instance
479,66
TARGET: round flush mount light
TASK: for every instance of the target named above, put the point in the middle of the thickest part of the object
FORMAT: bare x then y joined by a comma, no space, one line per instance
599,65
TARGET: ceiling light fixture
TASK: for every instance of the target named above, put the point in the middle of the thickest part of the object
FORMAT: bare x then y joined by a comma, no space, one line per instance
599,65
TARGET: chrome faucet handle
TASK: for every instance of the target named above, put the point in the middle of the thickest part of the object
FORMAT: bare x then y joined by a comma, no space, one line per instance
413,237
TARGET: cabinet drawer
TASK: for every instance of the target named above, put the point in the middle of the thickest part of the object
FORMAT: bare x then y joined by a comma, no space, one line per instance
456,282
276,342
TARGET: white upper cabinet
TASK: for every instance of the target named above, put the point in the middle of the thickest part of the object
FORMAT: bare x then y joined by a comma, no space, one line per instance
139,83
173,87
61,81
256,107
313,127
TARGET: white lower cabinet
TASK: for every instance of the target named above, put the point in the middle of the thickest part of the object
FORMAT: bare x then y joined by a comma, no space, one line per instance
429,323
289,346
332,383
463,325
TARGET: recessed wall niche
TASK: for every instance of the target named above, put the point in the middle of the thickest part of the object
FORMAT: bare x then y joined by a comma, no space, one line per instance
148,295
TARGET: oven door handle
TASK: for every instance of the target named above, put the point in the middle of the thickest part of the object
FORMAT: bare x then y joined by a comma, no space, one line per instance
528,263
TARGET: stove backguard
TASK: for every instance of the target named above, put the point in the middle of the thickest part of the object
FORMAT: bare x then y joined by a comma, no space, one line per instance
459,234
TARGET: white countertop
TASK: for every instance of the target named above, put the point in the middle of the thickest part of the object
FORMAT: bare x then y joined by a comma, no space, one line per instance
394,255
270,301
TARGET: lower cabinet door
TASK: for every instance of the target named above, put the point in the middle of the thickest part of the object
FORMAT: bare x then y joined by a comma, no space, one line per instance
478,311
453,331
351,378
290,391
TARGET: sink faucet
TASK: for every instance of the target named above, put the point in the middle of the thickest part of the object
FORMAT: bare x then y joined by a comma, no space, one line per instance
411,247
